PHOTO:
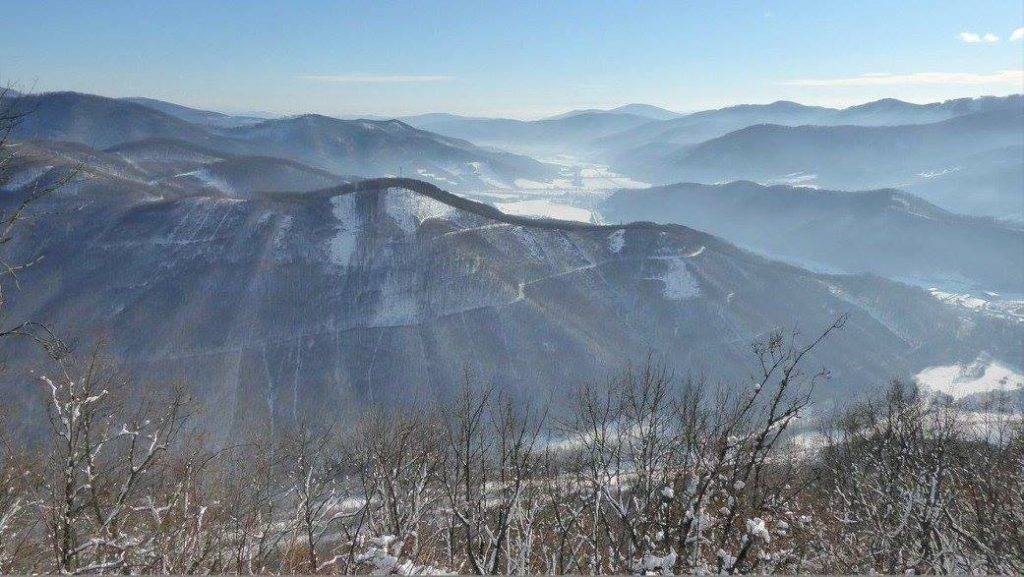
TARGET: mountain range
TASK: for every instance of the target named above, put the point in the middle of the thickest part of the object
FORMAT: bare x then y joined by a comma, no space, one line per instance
636,109
963,154
563,134
280,266
701,126
884,232
364,147
389,290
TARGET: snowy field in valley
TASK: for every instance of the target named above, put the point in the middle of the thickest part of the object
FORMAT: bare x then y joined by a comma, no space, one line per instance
960,380
544,207
571,195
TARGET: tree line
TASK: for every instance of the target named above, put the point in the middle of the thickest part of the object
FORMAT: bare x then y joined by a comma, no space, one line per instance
644,474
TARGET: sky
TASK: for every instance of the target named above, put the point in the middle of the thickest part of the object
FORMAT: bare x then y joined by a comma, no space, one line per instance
514,59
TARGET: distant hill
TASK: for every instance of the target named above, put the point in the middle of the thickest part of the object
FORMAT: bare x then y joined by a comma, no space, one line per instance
195,115
849,156
700,126
564,134
248,176
649,144
891,112
391,147
364,147
952,156
986,184
100,122
884,232
644,110
161,157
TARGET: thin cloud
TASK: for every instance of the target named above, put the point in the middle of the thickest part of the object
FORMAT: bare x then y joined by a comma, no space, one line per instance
975,38
376,78
917,78
1017,35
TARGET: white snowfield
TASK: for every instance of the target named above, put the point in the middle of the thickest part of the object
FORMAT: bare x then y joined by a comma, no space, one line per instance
959,381
546,208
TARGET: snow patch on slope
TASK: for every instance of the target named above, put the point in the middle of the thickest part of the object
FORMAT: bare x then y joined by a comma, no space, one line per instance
208,179
342,245
409,209
679,282
424,173
937,173
617,240
801,179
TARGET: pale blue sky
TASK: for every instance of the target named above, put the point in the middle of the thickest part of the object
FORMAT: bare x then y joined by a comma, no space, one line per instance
521,59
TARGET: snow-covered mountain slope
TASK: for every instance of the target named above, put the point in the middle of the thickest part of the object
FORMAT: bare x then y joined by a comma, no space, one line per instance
389,290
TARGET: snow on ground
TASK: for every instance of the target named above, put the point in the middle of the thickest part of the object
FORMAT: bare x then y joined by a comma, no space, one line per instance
571,195
555,184
936,173
801,178
961,380
546,208
582,179
208,179
409,209
598,177
964,300
1010,307
342,245
679,283
617,240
